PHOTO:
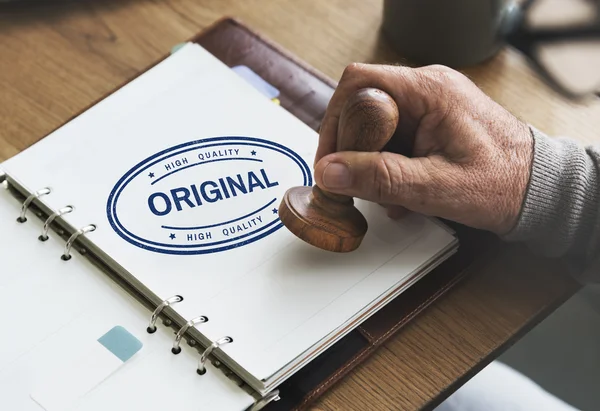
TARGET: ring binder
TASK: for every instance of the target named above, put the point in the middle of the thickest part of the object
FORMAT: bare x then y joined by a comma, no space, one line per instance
62,211
176,348
171,300
28,200
87,229
263,402
201,368
2,177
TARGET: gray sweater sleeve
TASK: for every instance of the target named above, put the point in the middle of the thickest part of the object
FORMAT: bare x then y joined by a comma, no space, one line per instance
560,216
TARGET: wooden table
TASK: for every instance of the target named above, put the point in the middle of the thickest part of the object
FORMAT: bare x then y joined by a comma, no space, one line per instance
57,59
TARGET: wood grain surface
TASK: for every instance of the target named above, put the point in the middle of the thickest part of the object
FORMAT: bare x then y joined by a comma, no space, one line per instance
56,57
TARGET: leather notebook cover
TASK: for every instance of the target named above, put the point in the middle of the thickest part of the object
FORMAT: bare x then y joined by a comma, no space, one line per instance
305,93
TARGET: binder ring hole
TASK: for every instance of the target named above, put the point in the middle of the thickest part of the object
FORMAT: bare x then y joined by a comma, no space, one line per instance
82,231
22,217
176,344
171,300
201,370
51,218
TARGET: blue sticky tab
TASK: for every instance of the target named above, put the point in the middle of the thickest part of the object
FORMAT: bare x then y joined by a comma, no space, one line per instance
261,85
121,343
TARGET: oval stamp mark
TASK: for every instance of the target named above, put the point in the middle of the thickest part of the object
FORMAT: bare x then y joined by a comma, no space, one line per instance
205,196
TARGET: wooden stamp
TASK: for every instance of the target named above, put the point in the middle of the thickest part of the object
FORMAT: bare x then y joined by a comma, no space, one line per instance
331,221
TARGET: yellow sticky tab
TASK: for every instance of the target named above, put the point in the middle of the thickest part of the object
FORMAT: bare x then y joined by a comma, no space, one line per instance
276,101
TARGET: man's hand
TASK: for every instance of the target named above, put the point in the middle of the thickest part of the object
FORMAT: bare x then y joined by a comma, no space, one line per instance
470,161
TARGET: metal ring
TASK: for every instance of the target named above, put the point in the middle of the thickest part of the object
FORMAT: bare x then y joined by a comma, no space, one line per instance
62,211
28,200
87,229
221,341
270,397
176,348
172,300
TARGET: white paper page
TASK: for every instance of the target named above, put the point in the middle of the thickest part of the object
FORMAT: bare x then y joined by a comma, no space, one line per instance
147,158
40,291
306,293
55,312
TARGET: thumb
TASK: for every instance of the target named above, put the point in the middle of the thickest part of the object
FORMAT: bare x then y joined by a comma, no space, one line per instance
384,178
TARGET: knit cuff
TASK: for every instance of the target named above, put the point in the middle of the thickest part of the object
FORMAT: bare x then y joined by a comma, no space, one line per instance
543,191
560,208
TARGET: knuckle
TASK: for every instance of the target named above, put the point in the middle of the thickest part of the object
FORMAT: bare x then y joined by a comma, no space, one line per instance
352,70
444,76
446,87
440,68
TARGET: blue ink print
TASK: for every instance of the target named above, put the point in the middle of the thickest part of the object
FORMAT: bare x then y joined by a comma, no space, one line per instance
205,196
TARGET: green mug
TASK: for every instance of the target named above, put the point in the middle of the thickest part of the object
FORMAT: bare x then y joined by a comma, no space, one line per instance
454,33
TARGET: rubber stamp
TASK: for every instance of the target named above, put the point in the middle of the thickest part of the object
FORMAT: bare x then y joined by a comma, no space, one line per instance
331,221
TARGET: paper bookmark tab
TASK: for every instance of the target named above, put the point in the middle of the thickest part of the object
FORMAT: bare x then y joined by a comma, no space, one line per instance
250,76
73,381
121,343
257,81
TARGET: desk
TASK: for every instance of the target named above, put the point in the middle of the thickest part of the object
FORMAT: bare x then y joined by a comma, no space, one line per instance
57,59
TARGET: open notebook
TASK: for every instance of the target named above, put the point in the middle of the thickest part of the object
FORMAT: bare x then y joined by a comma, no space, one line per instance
174,181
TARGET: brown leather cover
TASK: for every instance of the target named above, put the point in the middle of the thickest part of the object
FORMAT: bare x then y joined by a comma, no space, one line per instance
305,93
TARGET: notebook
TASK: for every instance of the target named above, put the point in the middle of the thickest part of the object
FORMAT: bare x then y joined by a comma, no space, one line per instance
173,182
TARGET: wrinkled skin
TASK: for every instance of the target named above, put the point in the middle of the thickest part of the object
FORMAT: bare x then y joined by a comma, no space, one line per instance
469,159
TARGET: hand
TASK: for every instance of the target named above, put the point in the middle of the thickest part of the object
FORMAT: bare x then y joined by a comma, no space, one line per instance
470,159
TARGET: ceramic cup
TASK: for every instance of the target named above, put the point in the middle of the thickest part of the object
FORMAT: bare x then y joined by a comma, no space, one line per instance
455,33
